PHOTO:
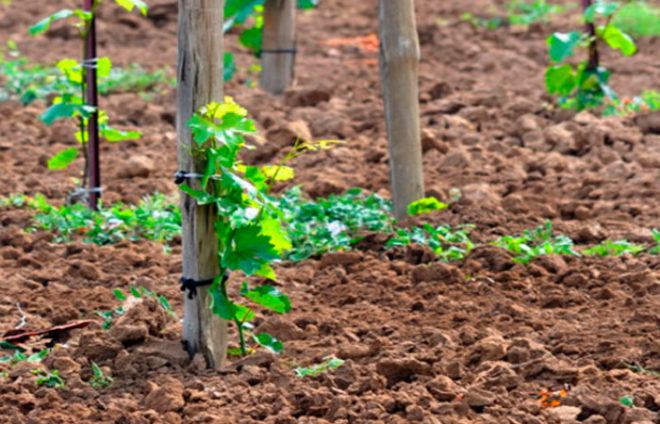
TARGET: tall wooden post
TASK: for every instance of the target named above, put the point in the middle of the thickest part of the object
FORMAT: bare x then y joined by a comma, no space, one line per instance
199,77
399,58
91,99
279,45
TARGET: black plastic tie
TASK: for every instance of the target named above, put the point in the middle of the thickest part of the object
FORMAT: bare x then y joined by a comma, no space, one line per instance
279,51
180,177
192,285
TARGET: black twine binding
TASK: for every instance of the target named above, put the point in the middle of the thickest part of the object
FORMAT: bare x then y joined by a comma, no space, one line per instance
279,51
192,285
180,177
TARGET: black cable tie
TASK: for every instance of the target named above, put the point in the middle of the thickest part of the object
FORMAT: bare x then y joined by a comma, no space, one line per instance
279,51
192,285
180,177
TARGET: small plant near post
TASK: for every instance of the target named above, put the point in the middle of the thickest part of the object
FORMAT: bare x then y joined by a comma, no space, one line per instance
278,53
248,223
399,58
84,108
586,85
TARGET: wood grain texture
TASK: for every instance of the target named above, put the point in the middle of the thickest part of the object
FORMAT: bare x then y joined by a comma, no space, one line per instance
279,33
399,59
199,77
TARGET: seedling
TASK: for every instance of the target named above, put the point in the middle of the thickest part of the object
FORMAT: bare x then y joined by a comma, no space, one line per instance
534,243
639,19
28,82
248,224
628,400
639,369
442,240
586,85
426,205
20,356
137,293
155,218
329,363
656,237
49,378
99,380
614,248
518,13
332,223
82,108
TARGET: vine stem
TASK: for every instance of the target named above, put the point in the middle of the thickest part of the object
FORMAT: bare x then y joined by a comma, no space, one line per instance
590,28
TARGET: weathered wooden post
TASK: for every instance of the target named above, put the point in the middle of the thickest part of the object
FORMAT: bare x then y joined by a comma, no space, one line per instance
399,58
199,77
278,54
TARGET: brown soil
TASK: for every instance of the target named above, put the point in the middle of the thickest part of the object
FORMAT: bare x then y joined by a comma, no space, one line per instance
471,342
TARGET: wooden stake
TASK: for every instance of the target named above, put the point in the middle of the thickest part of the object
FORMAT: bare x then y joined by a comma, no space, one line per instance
199,77
399,58
279,43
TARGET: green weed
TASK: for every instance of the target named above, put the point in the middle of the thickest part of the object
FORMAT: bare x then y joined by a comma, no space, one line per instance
315,227
443,240
537,242
639,19
49,378
155,218
99,380
141,292
329,363
614,248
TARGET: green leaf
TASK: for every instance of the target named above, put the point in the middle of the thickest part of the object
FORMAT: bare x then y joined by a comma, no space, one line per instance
135,292
252,39
119,295
618,40
562,44
229,66
63,158
249,250
560,79
113,135
268,297
44,24
425,205
602,8
269,342
279,173
226,309
202,197
272,228
10,346
71,69
307,4
131,4
628,400
103,67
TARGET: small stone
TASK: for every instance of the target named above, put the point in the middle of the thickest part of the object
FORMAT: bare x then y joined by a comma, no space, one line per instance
443,388
129,334
168,397
136,166
403,369
565,414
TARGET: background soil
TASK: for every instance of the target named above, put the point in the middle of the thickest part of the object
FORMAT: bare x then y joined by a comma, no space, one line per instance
470,342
